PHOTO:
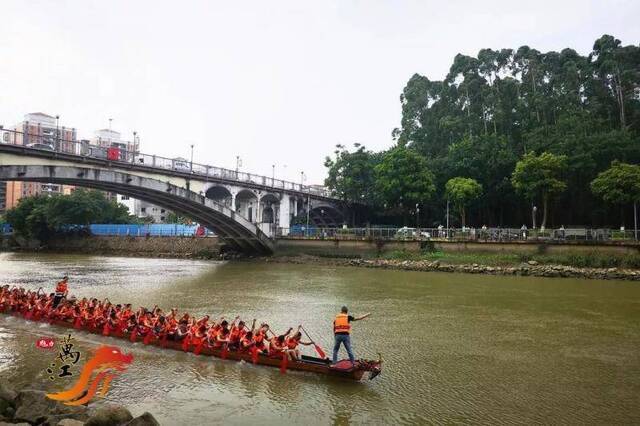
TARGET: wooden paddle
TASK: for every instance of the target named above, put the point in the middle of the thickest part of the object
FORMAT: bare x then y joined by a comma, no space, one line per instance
318,349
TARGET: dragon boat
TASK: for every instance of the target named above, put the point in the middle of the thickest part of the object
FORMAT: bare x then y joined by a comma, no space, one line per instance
342,369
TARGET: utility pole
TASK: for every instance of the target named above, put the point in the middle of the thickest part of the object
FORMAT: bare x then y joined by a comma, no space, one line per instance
447,219
191,158
273,174
418,218
308,210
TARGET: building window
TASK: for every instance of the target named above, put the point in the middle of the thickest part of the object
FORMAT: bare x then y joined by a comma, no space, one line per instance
162,211
162,218
143,210
124,198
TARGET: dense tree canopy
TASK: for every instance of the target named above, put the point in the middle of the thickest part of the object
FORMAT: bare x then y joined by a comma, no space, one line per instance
491,110
41,216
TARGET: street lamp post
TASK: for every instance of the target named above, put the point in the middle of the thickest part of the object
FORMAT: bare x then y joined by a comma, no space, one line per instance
418,218
191,158
635,219
135,148
238,164
57,148
533,215
273,175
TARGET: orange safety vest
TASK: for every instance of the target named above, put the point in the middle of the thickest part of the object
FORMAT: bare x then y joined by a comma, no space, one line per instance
341,324
292,343
61,287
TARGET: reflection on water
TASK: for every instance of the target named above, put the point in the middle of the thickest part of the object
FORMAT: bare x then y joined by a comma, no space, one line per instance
457,348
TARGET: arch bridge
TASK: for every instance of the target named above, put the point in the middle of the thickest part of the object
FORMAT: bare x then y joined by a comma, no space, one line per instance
244,213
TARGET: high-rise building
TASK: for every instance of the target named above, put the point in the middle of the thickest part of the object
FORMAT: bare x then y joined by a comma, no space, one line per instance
44,132
3,196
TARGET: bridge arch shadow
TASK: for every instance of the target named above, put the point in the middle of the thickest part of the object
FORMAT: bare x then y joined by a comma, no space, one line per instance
232,228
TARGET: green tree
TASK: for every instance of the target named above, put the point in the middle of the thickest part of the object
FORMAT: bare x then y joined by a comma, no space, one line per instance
461,191
403,179
620,184
540,177
350,174
42,216
28,218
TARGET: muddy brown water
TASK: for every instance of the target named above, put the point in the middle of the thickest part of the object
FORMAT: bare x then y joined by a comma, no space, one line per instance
457,348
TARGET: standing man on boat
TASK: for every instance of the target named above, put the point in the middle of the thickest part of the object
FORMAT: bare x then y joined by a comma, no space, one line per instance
61,291
342,332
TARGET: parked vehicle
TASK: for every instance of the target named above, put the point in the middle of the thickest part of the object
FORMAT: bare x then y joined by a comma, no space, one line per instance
406,233
42,146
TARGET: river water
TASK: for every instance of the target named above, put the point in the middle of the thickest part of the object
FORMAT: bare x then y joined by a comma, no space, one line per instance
457,348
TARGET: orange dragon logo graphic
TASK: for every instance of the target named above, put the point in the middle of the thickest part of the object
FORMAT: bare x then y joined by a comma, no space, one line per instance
106,363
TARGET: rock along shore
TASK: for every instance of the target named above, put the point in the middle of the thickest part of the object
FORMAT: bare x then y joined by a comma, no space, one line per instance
32,407
531,268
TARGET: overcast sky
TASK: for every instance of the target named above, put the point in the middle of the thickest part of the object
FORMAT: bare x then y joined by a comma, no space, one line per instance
276,82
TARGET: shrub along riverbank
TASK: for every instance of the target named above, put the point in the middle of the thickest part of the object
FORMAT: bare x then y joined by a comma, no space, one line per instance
567,266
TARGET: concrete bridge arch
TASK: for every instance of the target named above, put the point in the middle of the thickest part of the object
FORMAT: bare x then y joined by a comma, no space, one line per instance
230,226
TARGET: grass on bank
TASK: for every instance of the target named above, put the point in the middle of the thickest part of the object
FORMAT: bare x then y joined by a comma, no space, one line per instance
580,260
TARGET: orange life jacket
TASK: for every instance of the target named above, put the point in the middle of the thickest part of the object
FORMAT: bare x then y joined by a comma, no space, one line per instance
258,338
274,346
292,343
61,287
235,335
341,324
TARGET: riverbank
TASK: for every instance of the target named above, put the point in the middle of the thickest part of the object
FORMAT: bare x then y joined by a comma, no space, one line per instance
529,268
151,246
32,407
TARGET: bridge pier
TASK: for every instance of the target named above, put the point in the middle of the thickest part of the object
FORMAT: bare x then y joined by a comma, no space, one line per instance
284,221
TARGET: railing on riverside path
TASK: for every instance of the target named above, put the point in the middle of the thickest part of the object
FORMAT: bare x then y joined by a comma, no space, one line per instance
126,152
457,234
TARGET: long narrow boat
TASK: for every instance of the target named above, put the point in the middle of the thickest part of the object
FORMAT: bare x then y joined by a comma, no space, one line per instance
343,369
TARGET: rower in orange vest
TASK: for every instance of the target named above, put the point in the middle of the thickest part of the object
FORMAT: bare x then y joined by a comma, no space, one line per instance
61,291
342,332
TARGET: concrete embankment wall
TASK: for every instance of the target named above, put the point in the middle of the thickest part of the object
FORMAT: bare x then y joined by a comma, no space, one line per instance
140,246
206,247
347,248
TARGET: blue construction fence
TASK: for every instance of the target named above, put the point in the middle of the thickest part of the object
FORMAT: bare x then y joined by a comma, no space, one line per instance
151,230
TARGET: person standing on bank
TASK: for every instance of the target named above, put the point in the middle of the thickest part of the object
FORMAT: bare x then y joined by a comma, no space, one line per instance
342,332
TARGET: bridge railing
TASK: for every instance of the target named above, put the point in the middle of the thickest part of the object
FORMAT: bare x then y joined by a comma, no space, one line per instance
126,152
458,234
